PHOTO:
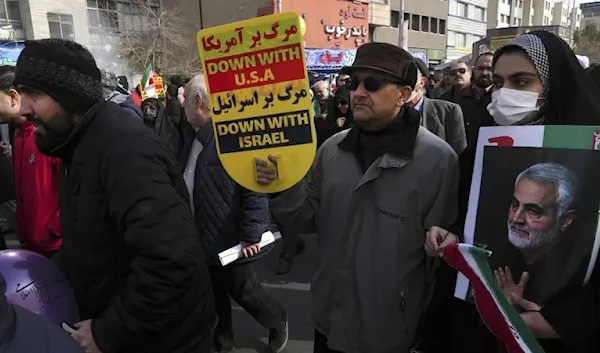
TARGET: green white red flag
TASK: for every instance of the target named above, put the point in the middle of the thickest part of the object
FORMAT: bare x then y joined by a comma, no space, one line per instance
147,82
495,310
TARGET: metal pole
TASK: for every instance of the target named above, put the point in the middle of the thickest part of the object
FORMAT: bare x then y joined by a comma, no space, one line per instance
401,32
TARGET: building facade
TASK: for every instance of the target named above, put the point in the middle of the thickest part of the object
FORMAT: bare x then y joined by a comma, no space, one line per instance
95,24
426,28
467,24
590,14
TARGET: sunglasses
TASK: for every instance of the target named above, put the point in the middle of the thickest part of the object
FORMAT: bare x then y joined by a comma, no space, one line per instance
371,83
341,102
462,70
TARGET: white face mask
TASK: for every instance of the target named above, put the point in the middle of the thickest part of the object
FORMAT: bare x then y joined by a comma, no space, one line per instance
510,106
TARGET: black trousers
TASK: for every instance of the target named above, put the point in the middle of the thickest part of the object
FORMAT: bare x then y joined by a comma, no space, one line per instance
321,344
239,282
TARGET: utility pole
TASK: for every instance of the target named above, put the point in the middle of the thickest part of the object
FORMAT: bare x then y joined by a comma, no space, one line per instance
402,40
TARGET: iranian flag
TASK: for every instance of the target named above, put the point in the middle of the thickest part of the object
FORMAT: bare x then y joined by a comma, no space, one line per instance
147,83
495,311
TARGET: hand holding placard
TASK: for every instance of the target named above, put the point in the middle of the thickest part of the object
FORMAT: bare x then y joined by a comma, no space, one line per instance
259,99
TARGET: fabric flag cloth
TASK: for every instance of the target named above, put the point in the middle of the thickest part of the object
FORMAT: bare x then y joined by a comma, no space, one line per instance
147,82
495,310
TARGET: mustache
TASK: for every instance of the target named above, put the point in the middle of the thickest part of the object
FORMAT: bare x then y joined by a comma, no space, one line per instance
518,228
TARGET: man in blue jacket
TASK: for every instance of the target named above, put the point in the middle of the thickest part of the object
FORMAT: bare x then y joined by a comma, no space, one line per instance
227,215
23,331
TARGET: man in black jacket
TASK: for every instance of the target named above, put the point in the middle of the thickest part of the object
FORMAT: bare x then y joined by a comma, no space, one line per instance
227,215
130,248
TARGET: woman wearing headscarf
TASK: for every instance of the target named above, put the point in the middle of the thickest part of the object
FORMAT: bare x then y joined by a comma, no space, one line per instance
537,81
339,117
156,118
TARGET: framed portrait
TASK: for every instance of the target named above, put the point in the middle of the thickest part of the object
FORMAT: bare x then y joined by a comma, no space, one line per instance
534,203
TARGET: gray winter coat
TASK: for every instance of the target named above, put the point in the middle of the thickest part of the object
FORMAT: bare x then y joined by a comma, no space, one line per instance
373,278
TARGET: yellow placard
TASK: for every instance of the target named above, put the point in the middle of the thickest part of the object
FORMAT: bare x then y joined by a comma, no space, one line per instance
159,88
260,99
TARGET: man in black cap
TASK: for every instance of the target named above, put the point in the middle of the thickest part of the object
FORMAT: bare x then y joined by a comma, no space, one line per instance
443,118
130,248
372,193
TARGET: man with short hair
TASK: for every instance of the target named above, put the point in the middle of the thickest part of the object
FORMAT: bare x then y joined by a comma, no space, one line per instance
371,193
442,118
542,208
130,248
473,94
227,214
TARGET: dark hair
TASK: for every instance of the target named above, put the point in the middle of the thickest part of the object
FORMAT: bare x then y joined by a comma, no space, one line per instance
461,62
482,55
7,76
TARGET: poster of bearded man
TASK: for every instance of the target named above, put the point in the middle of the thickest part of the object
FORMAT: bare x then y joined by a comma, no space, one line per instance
534,204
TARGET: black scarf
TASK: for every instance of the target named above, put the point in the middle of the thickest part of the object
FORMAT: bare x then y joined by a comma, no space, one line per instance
398,138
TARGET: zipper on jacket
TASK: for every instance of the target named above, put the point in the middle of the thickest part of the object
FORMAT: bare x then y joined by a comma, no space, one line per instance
402,308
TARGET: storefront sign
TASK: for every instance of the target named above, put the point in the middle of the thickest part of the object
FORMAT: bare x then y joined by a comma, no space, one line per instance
329,59
332,24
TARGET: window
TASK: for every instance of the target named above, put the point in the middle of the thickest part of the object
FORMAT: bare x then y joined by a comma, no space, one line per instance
520,5
395,19
461,9
406,17
414,22
515,21
434,25
138,18
460,40
10,20
112,16
102,16
425,23
442,27
519,22
61,26
479,14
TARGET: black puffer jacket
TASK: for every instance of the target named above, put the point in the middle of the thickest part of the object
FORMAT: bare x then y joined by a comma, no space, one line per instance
130,247
225,212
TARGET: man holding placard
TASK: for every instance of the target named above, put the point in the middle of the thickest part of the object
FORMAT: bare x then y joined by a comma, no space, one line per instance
227,215
371,193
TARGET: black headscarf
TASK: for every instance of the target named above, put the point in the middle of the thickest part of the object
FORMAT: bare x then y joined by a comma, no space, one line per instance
154,122
342,94
571,96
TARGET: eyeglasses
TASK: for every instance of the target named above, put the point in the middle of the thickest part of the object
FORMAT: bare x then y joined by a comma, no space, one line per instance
371,83
462,70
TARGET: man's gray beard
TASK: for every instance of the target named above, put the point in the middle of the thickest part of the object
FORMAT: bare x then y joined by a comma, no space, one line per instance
536,241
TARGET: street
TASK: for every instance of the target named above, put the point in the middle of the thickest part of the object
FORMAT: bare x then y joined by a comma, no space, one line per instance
293,291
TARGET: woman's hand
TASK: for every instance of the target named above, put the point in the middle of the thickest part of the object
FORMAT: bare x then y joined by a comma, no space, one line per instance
437,239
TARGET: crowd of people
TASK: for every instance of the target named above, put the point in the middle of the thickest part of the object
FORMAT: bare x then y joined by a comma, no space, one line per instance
131,201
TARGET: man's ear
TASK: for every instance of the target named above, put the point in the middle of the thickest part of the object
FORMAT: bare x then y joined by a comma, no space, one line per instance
199,101
567,219
405,93
15,97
